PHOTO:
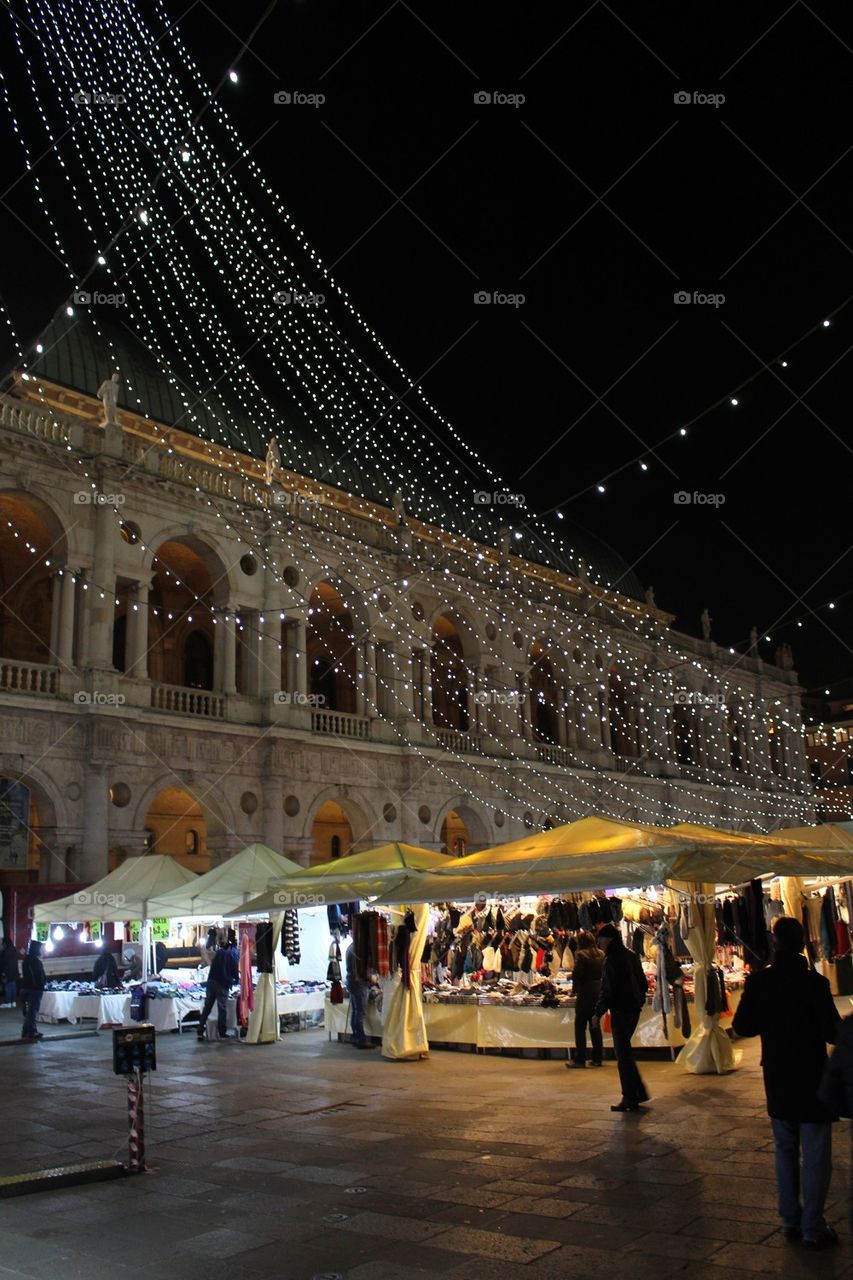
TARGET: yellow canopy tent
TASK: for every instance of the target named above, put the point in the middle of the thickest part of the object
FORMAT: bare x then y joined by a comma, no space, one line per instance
360,875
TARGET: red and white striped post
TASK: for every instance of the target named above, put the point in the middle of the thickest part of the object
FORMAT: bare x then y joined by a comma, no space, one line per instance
136,1120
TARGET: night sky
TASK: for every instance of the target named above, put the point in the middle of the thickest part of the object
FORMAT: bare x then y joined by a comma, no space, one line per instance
598,198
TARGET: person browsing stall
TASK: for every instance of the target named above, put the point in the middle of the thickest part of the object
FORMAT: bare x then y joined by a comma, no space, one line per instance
224,973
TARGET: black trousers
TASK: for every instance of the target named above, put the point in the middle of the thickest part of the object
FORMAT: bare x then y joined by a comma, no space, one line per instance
623,1026
583,1013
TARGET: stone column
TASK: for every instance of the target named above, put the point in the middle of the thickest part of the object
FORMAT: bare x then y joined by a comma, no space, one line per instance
92,864
525,710
65,633
137,632
301,657
228,639
269,653
360,680
427,652
102,591
368,663
84,601
55,588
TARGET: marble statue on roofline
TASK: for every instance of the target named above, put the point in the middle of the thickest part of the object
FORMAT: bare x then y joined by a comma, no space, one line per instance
706,621
273,459
108,394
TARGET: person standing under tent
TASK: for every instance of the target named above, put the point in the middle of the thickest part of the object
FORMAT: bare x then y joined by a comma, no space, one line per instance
9,974
624,987
791,1008
358,989
105,971
32,988
224,972
586,985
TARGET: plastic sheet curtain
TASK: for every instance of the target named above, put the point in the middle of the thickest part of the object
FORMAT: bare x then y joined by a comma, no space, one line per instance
709,1050
263,1020
404,1032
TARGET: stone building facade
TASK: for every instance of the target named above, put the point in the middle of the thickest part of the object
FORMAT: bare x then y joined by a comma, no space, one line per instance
196,654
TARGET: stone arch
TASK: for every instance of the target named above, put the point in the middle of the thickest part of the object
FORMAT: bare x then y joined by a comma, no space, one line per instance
363,827
33,545
338,623
214,557
48,816
468,625
218,817
478,827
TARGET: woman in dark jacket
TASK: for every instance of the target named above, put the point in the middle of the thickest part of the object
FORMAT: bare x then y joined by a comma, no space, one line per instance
586,985
105,972
32,989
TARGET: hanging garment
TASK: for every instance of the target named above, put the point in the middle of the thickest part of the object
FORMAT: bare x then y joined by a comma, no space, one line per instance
290,948
263,947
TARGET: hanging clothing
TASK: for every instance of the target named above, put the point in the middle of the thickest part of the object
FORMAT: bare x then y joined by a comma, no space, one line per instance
290,936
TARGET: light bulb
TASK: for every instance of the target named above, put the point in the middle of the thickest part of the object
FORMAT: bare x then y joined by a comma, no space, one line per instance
233,77
733,400
59,933
600,488
826,324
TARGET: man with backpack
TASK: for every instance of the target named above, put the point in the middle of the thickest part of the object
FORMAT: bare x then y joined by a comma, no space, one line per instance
623,992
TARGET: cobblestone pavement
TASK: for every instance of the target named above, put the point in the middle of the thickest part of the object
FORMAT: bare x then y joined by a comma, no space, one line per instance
308,1159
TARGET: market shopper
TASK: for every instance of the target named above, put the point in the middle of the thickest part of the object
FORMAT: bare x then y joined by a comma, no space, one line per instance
224,972
9,974
791,1008
623,992
586,986
836,1089
32,990
358,988
105,971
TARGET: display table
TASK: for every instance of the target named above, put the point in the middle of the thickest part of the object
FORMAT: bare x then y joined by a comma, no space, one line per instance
497,1026
166,1013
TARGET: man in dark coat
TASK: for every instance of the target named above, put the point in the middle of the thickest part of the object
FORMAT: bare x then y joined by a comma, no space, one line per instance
224,973
32,989
624,987
836,1090
791,1008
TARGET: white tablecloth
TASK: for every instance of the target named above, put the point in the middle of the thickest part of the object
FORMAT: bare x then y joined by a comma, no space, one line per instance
166,1014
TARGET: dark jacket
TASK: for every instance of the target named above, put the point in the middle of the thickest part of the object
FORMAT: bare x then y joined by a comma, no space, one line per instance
791,1008
106,968
356,975
224,968
9,964
586,975
836,1091
624,985
32,970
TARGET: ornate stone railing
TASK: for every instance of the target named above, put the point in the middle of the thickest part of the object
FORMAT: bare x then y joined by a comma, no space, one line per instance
550,753
28,677
455,740
188,702
341,724
30,422
199,475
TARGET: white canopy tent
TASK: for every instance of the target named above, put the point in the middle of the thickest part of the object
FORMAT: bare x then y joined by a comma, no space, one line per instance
216,892
124,894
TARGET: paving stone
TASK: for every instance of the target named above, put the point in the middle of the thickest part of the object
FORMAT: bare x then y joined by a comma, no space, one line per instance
491,1244
393,1228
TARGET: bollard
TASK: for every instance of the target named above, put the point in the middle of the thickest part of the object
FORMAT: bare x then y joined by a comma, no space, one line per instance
136,1121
